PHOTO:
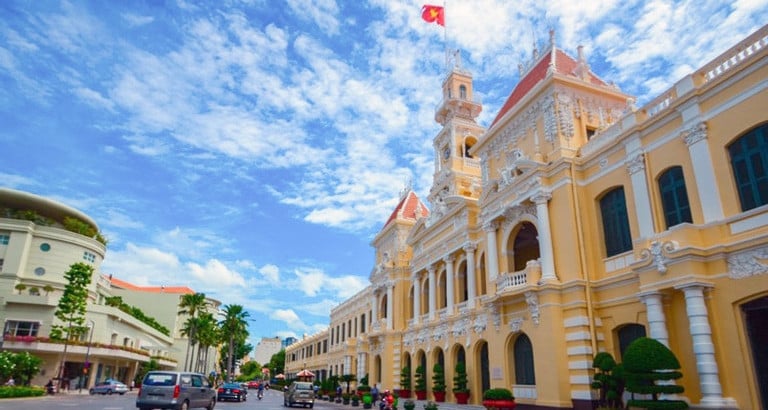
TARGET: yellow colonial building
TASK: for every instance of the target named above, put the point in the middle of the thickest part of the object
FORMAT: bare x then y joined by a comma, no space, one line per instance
574,224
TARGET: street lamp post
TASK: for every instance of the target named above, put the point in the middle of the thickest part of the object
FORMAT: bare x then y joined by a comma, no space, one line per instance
87,365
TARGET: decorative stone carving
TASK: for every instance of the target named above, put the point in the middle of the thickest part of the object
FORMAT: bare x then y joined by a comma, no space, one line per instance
656,253
515,324
636,163
694,134
749,263
533,306
481,322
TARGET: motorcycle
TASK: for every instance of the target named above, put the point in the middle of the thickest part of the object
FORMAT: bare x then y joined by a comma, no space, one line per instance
260,394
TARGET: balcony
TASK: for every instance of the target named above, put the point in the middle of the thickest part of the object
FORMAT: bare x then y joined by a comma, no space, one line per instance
529,275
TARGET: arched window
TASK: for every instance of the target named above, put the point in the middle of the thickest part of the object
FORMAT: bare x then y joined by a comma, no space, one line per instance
524,373
525,247
749,161
485,367
613,208
627,334
463,92
674,198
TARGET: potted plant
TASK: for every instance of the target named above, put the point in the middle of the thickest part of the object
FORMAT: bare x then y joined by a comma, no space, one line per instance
405,382
345,398
355,399
409,404
499,399
421,384
438,383
20,287
367,400
430,405
460,389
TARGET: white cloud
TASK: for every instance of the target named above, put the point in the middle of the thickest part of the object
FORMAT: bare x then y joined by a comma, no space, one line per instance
271,273
135,20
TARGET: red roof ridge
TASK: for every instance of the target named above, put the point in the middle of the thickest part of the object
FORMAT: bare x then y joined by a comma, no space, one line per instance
409,207
150,289
552,61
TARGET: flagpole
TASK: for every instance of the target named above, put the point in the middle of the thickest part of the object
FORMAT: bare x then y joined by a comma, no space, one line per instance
445,36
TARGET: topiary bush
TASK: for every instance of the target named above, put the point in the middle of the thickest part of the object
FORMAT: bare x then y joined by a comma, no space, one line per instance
647,361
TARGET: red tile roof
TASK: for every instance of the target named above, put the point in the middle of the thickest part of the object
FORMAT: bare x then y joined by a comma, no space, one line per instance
564,64
151,289
410,207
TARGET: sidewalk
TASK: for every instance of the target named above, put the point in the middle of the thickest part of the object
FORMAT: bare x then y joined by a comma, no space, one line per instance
419,405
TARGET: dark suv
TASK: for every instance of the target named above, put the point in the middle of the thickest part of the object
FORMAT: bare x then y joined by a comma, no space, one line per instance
175,390
299,393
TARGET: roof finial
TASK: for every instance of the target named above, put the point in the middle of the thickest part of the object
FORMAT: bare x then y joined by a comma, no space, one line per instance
552,52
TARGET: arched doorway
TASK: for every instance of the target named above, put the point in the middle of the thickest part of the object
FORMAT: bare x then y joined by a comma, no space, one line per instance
483,369
756,321
525,246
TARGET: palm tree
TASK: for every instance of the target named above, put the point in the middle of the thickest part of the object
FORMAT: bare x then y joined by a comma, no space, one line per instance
191,304
207,336
235,327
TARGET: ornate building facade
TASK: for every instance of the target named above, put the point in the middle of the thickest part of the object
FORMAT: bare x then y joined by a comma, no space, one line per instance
574,224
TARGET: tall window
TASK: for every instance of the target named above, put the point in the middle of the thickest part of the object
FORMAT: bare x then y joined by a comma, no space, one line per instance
524,373
674,198
749,160
613,208
463,92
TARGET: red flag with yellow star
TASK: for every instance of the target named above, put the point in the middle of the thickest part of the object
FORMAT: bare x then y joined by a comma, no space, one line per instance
433,14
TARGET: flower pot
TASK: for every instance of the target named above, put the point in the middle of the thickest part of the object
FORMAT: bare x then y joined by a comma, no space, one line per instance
421,395
462,397
439,396
406,394
499,404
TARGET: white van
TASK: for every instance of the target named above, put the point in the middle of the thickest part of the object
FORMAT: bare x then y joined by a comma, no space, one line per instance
175,390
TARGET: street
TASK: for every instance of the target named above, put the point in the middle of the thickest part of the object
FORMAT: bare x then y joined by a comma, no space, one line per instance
273,400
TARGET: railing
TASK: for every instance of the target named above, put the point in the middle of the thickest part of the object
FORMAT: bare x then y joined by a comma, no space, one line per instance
660,103
477,100
735,55
471,163
519,278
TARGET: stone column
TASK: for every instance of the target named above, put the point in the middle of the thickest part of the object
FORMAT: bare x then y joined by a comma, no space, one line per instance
471,286
493,255
703,172
375,310
545,237
432,304
703,347
656,320
416,297
449,283
390,296
636,169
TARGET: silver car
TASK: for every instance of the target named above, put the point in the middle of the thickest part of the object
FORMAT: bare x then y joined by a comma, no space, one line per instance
109,386
175,390
302,393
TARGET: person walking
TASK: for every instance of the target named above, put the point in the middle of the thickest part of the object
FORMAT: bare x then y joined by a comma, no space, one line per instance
375,394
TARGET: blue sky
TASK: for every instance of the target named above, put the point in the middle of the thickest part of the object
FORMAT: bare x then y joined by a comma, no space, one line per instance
252,149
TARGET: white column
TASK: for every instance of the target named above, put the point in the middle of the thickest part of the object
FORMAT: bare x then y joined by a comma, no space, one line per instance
703,172
416,297
390,303
636,169
375,310
703,347
493,255
545,237
656,320
449,283
432,304
471,286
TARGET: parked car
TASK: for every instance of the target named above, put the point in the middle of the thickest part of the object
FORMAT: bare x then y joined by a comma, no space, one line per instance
299,393
232,391
175,390
253,384
109,387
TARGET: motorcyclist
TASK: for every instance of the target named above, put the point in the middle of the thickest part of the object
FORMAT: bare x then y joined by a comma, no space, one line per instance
260,394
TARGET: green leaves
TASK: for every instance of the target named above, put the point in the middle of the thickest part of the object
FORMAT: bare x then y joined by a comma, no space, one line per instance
73,302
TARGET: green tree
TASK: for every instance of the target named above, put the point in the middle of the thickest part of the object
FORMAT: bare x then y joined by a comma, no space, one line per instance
26,367
7,366
438,378
207,337
647,361
421,381
144,369
191,304
348,378
460,378
73,303
277,363
608,380
234,327
405,378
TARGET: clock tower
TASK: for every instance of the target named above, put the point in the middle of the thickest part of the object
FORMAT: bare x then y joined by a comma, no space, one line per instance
457,173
